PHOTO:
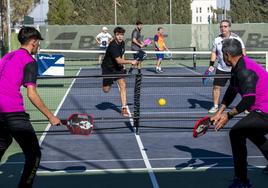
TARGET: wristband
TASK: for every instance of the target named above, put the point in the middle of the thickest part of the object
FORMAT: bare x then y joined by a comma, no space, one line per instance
229,116
211,63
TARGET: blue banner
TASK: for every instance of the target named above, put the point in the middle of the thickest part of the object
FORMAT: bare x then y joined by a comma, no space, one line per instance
50,65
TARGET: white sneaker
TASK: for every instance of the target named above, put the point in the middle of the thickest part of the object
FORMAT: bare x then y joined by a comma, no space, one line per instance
246,112
160,70
213,110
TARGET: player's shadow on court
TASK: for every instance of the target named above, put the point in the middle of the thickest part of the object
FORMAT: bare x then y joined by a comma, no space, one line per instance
203,158
72,169
150,70
108,105
203,104
11,170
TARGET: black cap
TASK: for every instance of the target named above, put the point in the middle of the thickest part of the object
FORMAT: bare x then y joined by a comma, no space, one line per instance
27,33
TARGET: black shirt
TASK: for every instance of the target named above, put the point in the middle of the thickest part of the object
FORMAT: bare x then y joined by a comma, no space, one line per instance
113,51
243,81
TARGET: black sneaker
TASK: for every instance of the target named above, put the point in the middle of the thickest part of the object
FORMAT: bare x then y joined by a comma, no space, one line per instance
265,170
237,183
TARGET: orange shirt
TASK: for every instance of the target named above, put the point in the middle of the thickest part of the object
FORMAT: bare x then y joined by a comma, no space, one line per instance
159,39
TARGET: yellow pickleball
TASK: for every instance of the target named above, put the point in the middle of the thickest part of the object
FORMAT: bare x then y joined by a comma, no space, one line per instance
162,101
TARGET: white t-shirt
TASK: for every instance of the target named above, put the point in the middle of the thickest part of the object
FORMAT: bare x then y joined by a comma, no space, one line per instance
217,46
104,39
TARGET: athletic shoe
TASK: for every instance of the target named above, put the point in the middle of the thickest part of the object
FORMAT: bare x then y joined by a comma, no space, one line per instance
124,112
246,112
213,110
237,183
265,170
158,70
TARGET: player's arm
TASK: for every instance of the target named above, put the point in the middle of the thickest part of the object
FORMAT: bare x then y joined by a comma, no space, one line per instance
220,118
228,98
247,82
110,39
135,41
39,104
213,56
165,47
122,61
97,38
156,42
119,57
29,81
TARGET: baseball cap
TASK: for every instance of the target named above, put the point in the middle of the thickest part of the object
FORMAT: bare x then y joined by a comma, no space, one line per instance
27,33
104,28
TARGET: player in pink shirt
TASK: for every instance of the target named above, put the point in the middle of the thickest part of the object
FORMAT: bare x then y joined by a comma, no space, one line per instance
18,68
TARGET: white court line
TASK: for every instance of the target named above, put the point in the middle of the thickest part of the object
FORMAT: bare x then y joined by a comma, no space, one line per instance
131,170
143,153
126,160
195,72
57,110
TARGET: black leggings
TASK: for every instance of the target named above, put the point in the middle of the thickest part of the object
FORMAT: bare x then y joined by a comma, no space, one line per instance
18,126
254,127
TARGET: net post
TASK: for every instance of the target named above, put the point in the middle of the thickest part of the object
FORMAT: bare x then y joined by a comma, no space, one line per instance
194,57
137,94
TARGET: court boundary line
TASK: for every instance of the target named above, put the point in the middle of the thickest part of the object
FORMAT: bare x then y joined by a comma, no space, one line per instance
131,170
137,159
143,153
42,137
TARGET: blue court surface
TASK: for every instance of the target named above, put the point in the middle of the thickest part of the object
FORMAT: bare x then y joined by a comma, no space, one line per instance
154,149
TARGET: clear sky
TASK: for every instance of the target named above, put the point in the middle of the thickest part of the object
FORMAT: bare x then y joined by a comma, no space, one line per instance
40,11
221,3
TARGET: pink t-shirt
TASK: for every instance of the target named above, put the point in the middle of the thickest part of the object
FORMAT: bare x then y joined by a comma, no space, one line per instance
17,68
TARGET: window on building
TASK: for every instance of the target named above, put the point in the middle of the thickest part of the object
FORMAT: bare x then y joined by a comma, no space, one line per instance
200,10
196,18
200,19
196,9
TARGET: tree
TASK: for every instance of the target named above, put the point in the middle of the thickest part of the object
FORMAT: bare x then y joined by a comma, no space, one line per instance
60,12
3,26
181,12
20,9
128,11
246,11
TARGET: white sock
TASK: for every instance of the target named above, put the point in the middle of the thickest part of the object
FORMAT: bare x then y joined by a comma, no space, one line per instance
216,106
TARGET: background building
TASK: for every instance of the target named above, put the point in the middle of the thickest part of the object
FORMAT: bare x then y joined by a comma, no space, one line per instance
202,11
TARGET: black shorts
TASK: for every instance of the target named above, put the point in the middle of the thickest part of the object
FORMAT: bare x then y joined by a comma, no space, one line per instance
135,55
107,71
220,81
